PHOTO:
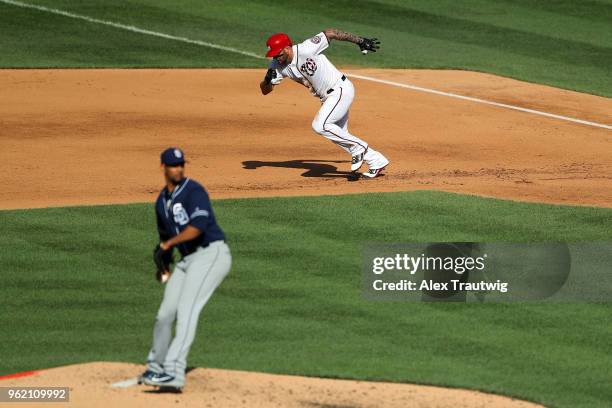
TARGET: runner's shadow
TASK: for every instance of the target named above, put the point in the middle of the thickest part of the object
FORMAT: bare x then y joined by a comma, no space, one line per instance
162,390
314,168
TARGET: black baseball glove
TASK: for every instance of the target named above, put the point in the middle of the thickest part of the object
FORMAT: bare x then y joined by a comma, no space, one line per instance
270,75
162,260
369,44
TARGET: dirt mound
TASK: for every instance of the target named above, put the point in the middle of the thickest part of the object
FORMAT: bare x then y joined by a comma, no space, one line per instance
91,385
93,136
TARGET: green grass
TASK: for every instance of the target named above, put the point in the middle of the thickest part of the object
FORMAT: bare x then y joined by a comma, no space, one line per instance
77,285
558,42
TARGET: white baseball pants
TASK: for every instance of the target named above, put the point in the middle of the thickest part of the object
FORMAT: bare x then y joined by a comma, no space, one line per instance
332,119
332,122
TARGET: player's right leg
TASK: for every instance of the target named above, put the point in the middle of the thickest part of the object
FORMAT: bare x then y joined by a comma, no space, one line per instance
332,119
162,333
205,271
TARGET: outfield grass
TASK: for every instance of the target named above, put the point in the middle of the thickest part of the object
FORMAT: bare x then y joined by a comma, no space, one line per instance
562,42
78,285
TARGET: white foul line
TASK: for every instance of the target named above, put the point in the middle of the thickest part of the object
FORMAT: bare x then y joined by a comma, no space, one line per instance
253,55
478,100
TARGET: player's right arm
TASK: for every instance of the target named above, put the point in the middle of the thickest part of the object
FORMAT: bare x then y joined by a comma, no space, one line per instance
266,85
163,236
273,77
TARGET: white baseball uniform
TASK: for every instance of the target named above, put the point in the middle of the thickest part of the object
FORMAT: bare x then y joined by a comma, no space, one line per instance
312,69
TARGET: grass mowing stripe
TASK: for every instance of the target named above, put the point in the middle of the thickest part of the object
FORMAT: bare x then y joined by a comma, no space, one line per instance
295,290
129,28
426,23
78,44
527,16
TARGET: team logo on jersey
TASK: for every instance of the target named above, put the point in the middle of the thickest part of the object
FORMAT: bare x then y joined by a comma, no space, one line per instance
180,215
309,67
316,39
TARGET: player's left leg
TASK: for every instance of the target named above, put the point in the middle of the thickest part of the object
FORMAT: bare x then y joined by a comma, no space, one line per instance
377,163
206,269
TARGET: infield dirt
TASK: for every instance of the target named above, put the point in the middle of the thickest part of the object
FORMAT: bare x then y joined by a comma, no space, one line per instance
74,137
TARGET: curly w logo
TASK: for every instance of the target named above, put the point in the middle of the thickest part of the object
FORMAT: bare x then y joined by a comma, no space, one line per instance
309,67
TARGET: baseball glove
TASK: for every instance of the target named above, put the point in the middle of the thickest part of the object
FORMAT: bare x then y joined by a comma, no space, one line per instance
272,78
162,261
369,44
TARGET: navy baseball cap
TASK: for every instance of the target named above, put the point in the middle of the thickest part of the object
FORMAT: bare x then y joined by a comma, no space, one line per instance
172,156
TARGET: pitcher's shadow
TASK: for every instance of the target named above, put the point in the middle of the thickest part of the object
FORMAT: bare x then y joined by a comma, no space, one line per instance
314,168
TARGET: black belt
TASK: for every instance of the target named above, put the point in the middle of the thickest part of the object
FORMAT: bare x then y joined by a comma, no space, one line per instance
330,90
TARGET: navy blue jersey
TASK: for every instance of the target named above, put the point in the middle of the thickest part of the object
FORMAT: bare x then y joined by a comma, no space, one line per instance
187,205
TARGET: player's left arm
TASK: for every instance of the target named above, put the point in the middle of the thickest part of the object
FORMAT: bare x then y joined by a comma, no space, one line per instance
365,44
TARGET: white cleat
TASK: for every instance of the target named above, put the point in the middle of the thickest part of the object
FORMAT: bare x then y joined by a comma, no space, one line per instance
373,173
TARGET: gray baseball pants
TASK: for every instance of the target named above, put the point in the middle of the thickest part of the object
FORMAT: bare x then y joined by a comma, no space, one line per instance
191,285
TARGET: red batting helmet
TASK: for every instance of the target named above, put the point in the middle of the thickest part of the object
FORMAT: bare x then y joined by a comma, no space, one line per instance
276,43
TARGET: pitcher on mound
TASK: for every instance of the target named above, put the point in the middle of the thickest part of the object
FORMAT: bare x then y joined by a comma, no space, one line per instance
305,63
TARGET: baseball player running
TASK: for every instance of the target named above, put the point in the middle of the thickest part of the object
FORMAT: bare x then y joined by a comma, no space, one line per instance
185,221
304,63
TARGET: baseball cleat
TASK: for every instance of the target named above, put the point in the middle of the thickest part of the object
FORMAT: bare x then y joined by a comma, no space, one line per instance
357,160
164,381
146,374
372,173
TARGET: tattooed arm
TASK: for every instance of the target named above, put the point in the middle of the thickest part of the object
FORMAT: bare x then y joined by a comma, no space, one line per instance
333,34
365,44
